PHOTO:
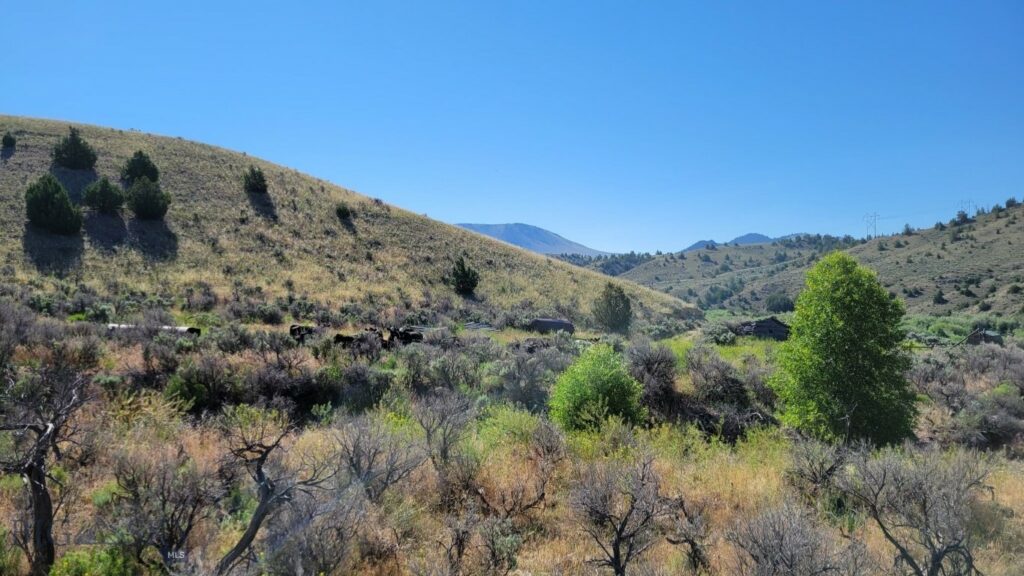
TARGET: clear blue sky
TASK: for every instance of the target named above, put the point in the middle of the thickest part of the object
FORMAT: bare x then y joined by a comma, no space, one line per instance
622,125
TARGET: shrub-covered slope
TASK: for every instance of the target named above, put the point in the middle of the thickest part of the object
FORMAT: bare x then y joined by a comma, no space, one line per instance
289,241
978,266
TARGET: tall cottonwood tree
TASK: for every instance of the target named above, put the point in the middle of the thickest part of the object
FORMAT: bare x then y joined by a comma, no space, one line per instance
842,370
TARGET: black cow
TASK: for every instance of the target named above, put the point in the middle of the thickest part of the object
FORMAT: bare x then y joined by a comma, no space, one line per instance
546,325
406,335
367,343
531,345
299,333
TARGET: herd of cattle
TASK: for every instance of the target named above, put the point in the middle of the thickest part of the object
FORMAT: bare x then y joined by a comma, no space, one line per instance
390,337
376,338
371,335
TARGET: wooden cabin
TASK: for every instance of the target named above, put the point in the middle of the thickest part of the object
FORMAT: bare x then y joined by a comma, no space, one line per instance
768,328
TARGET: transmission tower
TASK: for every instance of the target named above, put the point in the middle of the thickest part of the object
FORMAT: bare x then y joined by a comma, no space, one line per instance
871,224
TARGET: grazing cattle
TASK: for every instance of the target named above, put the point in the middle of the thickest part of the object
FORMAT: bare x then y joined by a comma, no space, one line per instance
546,325
531,345
299,333
367,343
406,335
180,329
345,340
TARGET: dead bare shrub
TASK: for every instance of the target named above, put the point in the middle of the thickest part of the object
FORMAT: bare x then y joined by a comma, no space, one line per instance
316,534
619,507
787,541
443,415
373,456
921,501
525,488
714,379
655,368
162,496
689,527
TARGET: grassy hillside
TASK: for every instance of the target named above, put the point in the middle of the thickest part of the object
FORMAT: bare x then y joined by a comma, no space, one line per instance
712,276
978,266
288,244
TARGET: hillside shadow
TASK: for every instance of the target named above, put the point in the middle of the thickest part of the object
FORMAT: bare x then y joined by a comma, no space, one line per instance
52,254
154,239
263,204
105,231
74,181
6,153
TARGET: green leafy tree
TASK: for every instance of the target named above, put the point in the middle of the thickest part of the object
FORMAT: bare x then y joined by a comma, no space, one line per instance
147,200
464,279
254,181
612,310
73,152
842,371
48,206
104,196
595,386
9,140
137,166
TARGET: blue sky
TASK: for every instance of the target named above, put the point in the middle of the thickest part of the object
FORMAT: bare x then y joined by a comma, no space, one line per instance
621,125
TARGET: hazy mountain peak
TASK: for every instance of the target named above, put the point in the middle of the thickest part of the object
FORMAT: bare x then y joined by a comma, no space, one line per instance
532,238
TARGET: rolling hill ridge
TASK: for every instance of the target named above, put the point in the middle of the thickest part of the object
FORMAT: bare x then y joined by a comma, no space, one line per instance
288,244
964,266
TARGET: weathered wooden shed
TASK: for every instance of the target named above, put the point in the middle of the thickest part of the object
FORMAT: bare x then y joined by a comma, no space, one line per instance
769,328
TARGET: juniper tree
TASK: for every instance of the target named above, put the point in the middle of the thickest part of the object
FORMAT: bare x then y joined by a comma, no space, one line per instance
73,152
612,310
254,181
147,200
49,207
139,165
464,279
104,196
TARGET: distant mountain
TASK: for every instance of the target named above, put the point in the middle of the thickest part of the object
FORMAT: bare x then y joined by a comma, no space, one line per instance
699,244
751,238
532,238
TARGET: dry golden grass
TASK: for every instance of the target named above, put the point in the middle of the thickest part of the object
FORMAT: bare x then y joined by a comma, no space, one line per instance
216,233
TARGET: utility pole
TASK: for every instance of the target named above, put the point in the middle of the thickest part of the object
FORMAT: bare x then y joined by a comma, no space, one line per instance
871,224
